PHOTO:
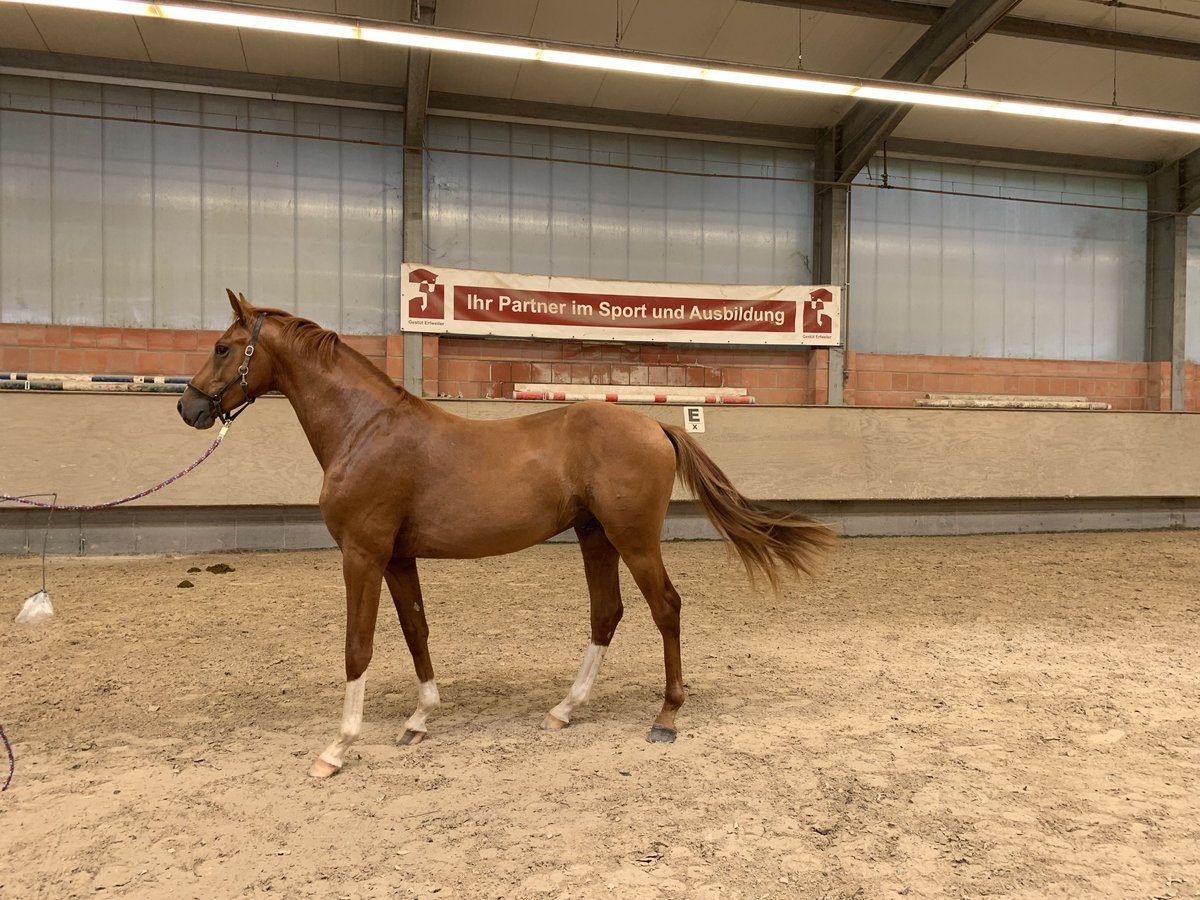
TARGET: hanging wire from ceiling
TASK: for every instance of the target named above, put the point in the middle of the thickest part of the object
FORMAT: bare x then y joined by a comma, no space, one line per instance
1114,28
800,37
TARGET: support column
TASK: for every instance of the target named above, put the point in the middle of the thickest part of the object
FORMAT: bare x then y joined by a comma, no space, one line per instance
830,258
1166,276
416,102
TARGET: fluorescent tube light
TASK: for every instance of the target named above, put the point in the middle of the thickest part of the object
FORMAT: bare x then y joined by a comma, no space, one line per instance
1162,124
620,64
286,24
924,98
442,42
347,28
1067,113
780,82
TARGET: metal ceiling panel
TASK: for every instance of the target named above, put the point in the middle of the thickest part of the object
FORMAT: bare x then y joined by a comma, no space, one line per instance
182,44
363,63
779,107
719,101
845,45
767,35
17,29
88,34
558,84
1161,22
714,101
500,16
580,21
619,91
318,6
1154,83
286,54
759,34
455,73
1069,72
387,10
682,27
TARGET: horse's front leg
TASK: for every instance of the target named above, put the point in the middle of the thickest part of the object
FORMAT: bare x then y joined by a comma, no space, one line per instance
405,586
363,574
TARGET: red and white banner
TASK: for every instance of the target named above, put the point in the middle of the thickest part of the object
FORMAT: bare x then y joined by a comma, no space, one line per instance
462,301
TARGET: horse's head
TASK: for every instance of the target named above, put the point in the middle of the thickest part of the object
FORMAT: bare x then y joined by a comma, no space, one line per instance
235,374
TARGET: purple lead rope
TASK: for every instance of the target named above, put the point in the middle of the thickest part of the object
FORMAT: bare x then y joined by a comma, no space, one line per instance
84,507
12,763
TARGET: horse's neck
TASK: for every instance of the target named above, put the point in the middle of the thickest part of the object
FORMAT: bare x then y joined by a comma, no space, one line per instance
336,398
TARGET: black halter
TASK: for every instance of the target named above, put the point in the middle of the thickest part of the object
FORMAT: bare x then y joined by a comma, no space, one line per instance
243,369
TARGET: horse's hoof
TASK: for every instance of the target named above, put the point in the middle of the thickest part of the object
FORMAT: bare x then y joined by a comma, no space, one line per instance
553,723
660,734
412,738
322,769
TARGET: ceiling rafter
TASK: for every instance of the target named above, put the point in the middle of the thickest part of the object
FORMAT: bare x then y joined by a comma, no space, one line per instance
1189,186
917,13
862,131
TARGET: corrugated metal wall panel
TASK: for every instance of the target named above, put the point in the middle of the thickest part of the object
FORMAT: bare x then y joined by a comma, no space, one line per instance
178,246
1192,313
119,223
612,218
26,232
225,199
976,276
128,185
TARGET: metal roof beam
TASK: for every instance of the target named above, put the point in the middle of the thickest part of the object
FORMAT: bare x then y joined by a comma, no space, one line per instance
863,130
1189,183
1010,26
1027,160
599,118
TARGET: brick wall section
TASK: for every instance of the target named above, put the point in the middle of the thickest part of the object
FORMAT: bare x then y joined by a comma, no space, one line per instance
1191,386
875,379
78,349
474,367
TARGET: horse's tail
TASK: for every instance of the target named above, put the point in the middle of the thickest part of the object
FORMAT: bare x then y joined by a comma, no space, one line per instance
766,540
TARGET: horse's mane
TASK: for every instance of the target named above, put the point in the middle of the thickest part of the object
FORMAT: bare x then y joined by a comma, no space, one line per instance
305,334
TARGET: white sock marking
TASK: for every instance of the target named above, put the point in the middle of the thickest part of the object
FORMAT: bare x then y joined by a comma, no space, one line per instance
588,670
352,717
427,702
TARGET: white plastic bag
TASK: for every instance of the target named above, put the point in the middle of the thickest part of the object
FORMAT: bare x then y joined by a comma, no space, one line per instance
36,609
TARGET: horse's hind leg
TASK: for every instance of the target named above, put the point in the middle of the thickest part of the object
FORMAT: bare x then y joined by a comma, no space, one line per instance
362,574
405,586
645,564
600,561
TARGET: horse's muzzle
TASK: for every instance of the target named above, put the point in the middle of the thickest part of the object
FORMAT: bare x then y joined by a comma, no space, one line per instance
196,411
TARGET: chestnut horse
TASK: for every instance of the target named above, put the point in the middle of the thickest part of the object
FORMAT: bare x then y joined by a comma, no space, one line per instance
406,480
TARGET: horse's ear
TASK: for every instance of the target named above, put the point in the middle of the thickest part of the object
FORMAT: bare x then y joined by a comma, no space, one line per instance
236,301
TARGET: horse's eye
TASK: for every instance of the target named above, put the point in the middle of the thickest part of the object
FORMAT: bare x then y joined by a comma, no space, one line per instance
222,349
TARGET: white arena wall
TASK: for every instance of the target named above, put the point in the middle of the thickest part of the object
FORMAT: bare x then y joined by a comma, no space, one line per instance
867,470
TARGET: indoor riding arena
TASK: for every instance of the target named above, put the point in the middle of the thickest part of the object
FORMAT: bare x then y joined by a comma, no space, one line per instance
599,448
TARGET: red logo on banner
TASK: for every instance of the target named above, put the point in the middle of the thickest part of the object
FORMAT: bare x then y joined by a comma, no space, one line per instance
431,302
816,320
